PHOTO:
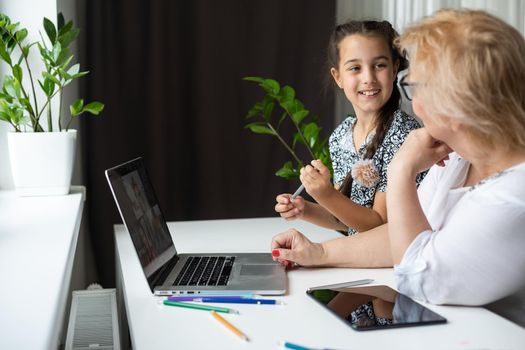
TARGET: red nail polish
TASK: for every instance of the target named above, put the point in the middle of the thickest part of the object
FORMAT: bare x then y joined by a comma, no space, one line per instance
275,253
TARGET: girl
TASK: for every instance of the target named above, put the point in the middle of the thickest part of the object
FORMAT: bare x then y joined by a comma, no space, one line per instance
364,63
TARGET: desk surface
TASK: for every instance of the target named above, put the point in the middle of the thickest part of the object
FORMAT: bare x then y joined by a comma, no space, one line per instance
300,320
38,237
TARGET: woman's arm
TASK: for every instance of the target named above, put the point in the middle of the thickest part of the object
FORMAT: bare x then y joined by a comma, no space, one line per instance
366,249
406,218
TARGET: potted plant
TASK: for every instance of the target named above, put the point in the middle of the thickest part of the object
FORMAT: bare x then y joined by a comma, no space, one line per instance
308,131
41,145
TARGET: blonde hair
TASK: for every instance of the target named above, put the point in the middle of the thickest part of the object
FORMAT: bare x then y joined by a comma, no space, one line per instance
475,65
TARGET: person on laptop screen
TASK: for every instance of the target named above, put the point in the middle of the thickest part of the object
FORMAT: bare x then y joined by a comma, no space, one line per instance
459,238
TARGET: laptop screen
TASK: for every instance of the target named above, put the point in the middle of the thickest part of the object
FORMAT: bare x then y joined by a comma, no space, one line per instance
141,214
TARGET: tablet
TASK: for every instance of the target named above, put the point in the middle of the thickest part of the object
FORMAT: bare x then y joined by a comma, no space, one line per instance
374,307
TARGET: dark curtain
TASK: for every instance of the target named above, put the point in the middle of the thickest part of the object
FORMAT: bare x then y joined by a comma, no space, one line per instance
170,74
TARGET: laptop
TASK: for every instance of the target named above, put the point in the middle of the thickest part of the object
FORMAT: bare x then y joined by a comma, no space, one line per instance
168,272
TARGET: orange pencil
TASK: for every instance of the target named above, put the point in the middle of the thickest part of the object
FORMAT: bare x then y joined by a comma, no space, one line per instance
229,326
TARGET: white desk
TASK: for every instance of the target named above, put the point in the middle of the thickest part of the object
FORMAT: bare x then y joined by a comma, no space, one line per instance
38,238
301,320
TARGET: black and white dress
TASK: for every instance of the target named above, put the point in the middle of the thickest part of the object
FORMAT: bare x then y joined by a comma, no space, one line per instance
344,155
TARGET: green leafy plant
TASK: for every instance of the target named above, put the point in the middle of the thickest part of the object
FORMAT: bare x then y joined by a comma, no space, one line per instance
19,105
307,128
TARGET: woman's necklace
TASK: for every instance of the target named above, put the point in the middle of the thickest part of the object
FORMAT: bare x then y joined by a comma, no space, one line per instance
490,178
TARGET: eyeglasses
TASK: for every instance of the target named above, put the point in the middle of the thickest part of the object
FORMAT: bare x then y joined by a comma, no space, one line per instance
407,88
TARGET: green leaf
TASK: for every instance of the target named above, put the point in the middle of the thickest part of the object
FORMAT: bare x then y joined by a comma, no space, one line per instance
74,69
25,49
52,77
48,86
57,49
268,108
76,107
255,110
287,171
26,104
64,58
10,86
60,21
293,107
262,107
271,86
287,94
11,27
17,72
297,138
50,30
18,117
4,55
260,128
81,74
11,43
65,29
68,37
6,97
255,79
319,146
45,53
311,133
4,116
21,35
300,115
93,108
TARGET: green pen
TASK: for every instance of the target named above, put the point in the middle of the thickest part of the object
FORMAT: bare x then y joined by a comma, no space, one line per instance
200,307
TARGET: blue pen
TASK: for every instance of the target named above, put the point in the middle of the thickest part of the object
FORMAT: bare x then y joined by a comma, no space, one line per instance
293,346
288,345
235,300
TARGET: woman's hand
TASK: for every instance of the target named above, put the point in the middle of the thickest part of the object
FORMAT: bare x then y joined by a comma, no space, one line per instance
292,247
290,209
418,153
316,179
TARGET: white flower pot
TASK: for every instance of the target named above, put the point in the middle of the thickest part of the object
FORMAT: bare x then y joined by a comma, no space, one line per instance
42,162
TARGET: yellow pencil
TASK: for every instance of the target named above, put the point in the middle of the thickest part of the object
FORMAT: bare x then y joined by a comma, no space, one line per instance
229,326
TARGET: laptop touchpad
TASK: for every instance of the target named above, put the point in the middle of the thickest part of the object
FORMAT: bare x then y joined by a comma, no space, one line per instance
258,269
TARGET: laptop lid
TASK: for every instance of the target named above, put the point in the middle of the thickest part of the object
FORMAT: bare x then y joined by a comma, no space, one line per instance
140,211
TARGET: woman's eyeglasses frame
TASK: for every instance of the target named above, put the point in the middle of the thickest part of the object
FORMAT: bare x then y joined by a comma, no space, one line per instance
407,88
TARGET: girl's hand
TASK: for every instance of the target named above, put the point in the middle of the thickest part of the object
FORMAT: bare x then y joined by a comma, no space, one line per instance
290,209
418,153
316,179
292,247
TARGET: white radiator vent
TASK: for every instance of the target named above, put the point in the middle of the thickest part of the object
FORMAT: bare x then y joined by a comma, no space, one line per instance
93,322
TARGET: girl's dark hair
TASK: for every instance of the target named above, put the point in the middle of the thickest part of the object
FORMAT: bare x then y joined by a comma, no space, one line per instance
384,30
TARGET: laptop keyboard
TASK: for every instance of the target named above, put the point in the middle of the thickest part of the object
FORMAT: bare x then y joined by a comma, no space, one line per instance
205,271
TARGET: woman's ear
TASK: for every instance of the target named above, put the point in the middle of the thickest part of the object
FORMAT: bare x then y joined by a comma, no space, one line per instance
336,76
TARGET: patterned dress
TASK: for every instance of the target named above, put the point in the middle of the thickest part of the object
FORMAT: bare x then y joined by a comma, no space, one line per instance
344,155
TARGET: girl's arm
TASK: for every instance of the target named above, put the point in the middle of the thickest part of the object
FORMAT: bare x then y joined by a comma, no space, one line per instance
316,179
301,209
316,214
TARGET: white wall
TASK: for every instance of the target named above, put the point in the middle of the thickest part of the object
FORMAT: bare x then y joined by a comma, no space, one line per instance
403,12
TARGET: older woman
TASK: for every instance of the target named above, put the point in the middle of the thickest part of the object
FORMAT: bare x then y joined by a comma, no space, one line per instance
459,238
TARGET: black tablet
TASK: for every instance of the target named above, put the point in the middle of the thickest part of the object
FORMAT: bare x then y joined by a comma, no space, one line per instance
374,307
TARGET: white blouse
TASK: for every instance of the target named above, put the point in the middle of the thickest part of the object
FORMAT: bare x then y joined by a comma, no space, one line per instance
475,252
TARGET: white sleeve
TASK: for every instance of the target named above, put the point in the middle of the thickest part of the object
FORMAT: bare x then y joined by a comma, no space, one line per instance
476,257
